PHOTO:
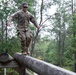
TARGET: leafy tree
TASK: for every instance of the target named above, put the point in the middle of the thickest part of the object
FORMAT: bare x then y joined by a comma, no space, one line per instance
51,55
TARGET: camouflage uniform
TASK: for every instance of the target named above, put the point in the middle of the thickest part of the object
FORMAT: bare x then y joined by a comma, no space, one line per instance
23,19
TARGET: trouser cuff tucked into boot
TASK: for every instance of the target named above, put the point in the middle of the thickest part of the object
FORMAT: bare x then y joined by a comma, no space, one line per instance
26,51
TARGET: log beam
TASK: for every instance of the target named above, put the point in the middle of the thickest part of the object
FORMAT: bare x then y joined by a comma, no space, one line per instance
5,58
12,64
40,67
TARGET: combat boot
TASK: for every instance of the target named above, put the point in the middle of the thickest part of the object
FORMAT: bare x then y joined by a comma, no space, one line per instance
26,51
23,52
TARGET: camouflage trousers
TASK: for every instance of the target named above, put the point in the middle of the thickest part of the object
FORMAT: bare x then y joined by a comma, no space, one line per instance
25,36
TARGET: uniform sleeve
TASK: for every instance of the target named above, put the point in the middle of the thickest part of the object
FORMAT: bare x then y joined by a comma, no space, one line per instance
33,20
13,16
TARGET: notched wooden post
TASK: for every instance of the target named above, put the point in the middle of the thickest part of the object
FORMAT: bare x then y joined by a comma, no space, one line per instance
7,61
21,71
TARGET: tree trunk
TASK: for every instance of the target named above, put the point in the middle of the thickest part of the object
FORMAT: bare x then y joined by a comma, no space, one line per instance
35,38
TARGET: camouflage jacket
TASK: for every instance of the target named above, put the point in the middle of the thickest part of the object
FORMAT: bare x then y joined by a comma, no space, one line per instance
23,19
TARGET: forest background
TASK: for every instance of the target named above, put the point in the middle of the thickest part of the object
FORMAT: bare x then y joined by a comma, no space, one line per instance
59,47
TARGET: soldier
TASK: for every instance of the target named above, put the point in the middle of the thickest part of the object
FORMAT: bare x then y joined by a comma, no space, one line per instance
23,18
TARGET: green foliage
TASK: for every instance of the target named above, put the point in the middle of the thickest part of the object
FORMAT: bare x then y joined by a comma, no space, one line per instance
10,71
51,53
40,49
12,45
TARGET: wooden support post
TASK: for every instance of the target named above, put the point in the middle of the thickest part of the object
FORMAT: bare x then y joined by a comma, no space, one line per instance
22,71
40,67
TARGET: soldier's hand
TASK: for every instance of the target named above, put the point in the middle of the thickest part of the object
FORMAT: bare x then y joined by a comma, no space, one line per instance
9,23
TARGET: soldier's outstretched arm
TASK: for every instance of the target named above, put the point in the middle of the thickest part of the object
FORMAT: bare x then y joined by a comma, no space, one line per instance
11,18
9,21
33,20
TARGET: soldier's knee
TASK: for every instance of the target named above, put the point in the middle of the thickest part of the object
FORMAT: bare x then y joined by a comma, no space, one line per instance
28,39
23,42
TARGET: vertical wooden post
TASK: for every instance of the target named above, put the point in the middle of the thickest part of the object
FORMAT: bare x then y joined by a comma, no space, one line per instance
21,71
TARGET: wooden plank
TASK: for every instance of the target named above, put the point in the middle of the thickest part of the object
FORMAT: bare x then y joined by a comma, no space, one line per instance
40,67
12,64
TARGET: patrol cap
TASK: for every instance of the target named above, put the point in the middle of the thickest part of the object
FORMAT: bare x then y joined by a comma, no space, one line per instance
25,5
